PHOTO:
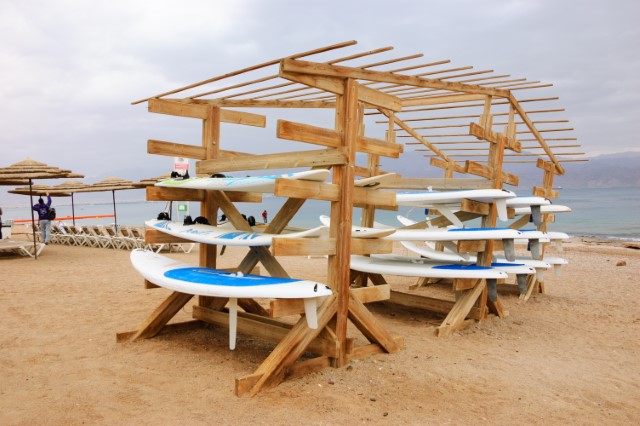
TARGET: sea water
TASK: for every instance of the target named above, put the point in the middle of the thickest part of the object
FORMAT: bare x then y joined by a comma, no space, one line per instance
610,213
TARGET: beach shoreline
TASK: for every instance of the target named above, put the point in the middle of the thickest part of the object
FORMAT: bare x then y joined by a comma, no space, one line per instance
568,356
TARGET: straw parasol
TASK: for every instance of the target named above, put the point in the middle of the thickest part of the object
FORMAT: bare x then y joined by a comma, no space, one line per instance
71,186
112,184
25,172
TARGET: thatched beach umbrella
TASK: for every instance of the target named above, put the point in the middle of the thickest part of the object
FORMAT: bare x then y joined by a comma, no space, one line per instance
71,186
27,171
112,184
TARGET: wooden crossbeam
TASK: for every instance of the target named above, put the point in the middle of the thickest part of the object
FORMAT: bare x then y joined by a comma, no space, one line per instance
478,169
160,193
322,157
314,68
335,85
331,138
487,134
183,108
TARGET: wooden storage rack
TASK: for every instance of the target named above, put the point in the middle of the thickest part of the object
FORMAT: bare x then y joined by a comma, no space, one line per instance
355,93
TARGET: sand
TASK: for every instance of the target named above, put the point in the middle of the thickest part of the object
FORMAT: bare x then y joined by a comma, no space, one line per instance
570,356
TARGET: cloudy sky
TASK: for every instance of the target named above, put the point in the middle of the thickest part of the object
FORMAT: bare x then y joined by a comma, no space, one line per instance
71,68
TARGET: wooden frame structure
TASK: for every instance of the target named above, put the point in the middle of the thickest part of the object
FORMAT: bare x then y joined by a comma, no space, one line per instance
355,92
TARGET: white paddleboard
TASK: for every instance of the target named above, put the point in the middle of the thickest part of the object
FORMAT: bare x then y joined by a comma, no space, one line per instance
419,267
443,199
184,278
250,183
225,235
551,208
375,181
361,231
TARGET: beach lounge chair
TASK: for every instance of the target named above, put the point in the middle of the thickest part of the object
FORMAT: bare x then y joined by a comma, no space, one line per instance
103,239
23,248
117,240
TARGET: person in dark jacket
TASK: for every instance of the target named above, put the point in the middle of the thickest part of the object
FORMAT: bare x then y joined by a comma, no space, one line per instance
43,218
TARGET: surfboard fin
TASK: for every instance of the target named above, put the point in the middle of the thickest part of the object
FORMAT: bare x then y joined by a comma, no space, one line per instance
536,215
522,283
233,322
492,286
509,250
534,246
310,311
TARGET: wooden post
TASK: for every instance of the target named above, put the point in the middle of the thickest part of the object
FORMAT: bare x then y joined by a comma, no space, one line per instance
342,212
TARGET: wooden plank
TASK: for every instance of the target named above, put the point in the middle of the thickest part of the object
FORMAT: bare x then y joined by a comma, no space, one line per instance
313,158
476,207
471,246
426,303
291,347
336,85
169,107
461,309
243,118
315,68
478,169
436,183
370,246
440,100
306,189
372,197
152,236
331,138
286,307
371,327
161,315
173,149
259,326
307,366
305,133
463,284
489,135
303,247
365,351
158,193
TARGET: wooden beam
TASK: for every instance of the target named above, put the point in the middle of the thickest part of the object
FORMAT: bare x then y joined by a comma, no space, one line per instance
170,107
335,85
256,325
370,246
317,158
286,307
322,157
291,188
331,138
153,236
172,149
303,246
426,303
436,183
439,100
363,196
244,118
314,68
514,102
160,193
487,134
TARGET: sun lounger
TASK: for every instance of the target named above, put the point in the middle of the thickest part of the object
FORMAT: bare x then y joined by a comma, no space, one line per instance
23,248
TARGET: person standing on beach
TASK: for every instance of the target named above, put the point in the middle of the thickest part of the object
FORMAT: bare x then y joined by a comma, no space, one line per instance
43,217
264,216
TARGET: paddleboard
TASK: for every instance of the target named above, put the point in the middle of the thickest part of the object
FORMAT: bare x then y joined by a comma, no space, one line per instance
534,204
375,181
419,267
442,199
226,235
250,183
361,231
184,278
551,208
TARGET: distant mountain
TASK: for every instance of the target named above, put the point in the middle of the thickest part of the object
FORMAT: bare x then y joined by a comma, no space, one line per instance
621,170
604,171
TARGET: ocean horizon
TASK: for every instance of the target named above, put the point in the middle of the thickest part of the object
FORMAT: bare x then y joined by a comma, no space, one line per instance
609,213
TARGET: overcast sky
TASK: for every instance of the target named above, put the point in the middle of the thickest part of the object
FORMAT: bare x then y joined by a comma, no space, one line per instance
70,68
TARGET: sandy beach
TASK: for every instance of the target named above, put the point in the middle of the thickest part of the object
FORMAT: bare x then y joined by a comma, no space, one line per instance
567,357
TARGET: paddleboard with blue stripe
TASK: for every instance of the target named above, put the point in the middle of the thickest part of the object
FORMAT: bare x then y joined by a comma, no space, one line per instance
263,184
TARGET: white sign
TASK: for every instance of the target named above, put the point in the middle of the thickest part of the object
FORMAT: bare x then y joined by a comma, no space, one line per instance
180,165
